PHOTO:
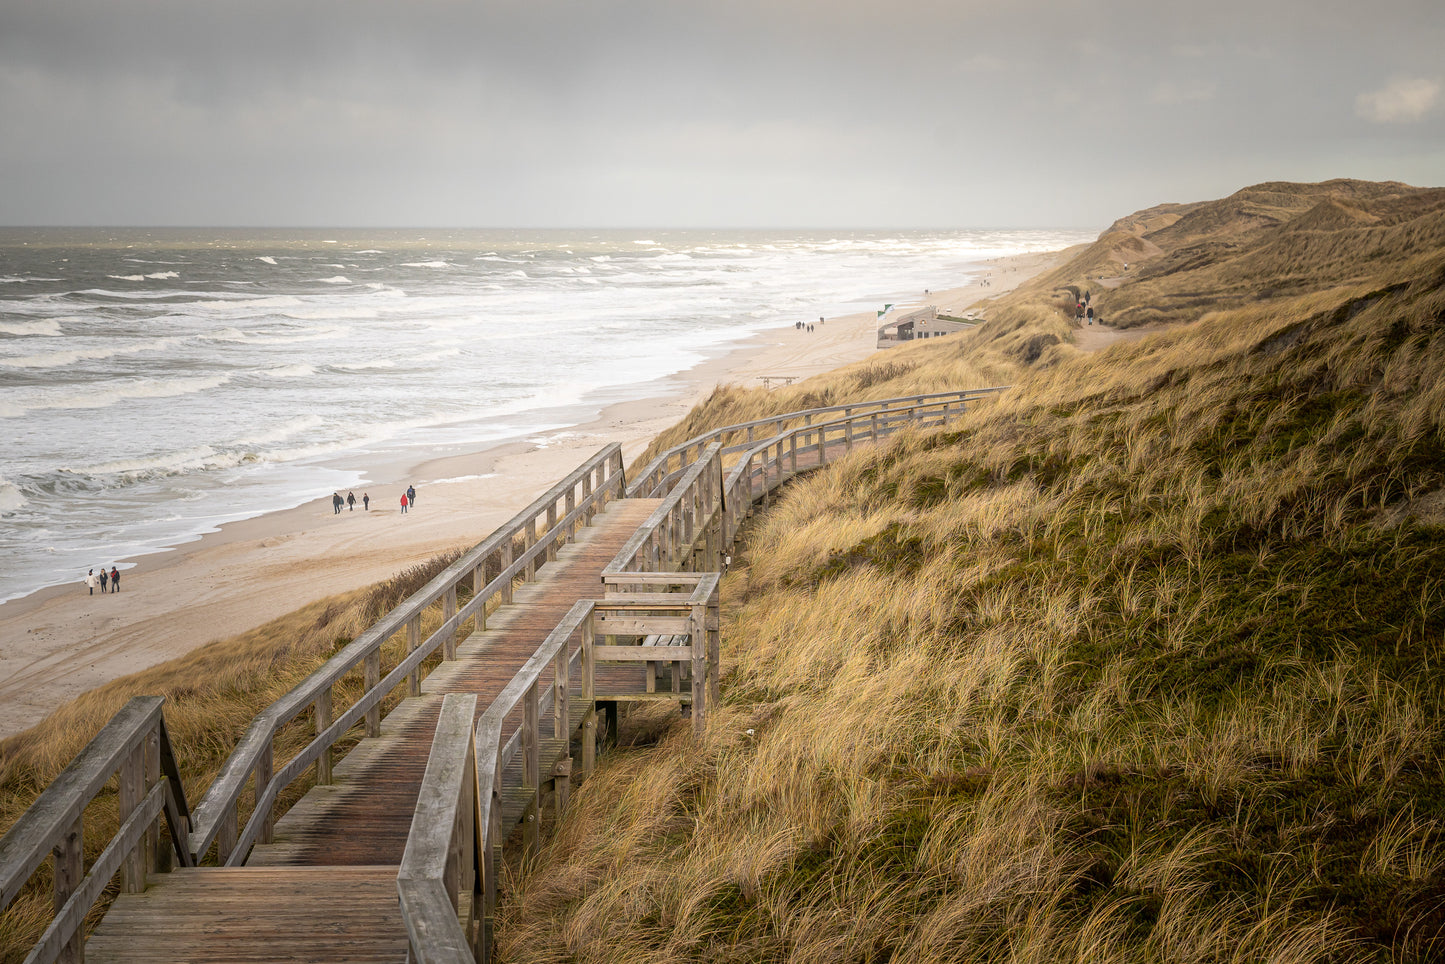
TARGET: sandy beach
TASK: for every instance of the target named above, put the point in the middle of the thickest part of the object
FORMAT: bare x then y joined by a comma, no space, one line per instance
57,643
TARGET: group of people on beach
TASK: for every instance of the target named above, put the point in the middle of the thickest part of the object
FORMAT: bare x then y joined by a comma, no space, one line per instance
408,499
108,582
804,326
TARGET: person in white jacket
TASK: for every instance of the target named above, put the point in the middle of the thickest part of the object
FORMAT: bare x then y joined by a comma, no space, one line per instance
92,581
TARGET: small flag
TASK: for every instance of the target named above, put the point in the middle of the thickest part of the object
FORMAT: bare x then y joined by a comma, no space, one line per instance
886,309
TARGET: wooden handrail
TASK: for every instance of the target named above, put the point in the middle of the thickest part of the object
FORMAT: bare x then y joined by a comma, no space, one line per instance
217,810
135,744
655,473
436,862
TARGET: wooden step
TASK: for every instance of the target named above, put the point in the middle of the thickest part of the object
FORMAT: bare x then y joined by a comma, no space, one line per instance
256,914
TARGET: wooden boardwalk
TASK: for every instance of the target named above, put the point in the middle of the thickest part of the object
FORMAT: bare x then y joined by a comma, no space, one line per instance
325,888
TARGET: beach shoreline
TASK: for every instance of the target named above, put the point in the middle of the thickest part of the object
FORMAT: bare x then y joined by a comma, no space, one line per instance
59,642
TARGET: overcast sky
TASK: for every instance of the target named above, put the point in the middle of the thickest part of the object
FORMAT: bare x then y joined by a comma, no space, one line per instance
698,113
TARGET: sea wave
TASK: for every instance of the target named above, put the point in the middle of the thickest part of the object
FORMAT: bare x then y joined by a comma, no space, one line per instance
61,359
46,327
10,279
250,304
154,276
266,259
106,394
290,371
11,498
364,366
256,336
340,279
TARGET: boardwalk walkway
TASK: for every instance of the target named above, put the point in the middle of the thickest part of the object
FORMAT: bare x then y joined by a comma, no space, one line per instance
325,888
600,591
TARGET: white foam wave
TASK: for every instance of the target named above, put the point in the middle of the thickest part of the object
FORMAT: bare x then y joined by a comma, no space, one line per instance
111,393
261,337
427,264
368,251
11,279
331,314
163,275
126,277
363,366
11,498
290,371
45,327
267,259
295,426
60,359
340,279
251,304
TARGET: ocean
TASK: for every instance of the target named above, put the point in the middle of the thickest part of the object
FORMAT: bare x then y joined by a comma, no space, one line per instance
155,384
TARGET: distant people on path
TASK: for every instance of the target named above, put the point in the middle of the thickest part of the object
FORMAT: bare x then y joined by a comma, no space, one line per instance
114,579
102,578
91,581
336,503
403,503
366,502
351,502
411,495
1089,313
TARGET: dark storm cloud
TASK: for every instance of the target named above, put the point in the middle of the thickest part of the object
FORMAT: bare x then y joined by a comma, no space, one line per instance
651,112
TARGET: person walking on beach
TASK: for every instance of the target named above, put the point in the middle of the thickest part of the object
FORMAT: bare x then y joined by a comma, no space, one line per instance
351,502
411,495
366,502
102,578
91,581
336,503
403,503
114,579
1089,313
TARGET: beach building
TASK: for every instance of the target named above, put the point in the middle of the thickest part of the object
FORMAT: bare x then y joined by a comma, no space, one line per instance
918,323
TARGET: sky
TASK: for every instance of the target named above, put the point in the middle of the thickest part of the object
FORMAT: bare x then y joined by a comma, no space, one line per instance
700,113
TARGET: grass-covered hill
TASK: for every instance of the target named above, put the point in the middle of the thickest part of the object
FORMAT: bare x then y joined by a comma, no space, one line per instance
1142,662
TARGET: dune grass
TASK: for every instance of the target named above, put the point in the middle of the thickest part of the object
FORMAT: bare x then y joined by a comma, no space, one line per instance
1141,663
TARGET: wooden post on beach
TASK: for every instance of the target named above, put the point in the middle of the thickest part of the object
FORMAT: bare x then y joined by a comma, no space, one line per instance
531,770
373,679
479,582
69,857
589,696
413,640
528,541
552,537
265,769
449,609
323,721
131,792
848,430
508,550
587,498
571,507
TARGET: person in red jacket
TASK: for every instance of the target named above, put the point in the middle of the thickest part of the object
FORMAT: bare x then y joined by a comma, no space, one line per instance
403,503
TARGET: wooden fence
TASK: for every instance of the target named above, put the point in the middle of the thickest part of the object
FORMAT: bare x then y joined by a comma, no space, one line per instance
135,746
567,505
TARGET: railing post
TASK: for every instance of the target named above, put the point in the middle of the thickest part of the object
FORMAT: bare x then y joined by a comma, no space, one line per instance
413,640
479,581
698,632
509,556
848,430
69,854
265,769
449,609
571,506
532,770
529,539
132,792
793,452
552,539
373,679
587,498
157,843
323,721
589,696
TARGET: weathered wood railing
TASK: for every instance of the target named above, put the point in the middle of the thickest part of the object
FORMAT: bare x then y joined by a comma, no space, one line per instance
744,435
666,541
439,866
567,505
134,745
545,712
